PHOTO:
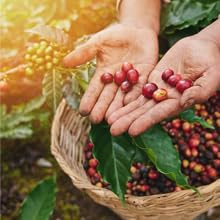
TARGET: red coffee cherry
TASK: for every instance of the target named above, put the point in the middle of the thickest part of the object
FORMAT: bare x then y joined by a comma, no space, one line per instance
167,74
126,87
174,79
183,84
133,76
126,67
148,90
120,77
107,78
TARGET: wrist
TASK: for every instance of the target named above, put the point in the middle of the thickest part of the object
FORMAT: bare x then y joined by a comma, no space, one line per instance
142,14
146,23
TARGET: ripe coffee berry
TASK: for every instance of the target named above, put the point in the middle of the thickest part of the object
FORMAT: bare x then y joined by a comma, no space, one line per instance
174,79
126,87
148,90
107,78
183,84
167,74
93,163
126,67
160,95
145,188
120,77
91,171
133,76
194,142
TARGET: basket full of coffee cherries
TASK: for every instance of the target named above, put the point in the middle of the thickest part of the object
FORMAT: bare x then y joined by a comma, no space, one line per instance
149,193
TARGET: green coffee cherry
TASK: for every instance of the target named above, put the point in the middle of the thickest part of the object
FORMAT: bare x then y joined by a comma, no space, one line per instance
36,46
43,44
29,71
27,57
49,66
39,60
34,57
48,50
56,61
40,51
30,50
48,58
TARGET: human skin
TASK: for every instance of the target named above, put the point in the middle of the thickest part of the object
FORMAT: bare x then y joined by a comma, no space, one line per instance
196,58
134,39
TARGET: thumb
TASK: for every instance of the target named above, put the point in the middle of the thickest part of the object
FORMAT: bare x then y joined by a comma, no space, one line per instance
203,88
82,54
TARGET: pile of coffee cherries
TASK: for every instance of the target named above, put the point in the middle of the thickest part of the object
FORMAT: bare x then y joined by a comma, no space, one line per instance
199,150
151,90
125,78
43,56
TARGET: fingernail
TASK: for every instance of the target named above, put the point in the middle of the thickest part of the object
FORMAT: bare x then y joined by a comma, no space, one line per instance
189,103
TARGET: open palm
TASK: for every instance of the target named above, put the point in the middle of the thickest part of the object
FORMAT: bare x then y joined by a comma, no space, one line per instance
194,59
112,47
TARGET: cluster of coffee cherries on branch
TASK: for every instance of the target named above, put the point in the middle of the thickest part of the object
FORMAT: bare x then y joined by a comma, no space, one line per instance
43,56
199,150
125,78
151,90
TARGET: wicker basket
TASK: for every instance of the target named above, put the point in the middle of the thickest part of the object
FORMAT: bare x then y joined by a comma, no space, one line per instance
69,134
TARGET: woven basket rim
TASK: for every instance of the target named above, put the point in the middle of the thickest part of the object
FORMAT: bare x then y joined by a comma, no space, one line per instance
207,191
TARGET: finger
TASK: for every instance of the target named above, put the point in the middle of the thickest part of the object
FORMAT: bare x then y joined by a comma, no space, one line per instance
104,100
126,109
154,115
91,95
123,123
116,104
82,54
203,88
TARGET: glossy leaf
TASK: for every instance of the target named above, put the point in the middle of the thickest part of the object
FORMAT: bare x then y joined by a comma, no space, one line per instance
17,123
115,155
178,15
40,202
160,150
189,115
52,88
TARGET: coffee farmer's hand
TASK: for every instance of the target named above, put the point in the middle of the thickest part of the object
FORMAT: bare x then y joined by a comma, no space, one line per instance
112,47
196,58
133,40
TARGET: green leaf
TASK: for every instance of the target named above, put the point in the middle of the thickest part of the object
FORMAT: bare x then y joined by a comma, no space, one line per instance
52,88
115,155
141,156
40,202
160,150
52,34
178,15
189,115
18,122
18,132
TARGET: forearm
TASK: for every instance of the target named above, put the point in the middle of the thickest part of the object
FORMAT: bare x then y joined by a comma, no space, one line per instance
212,32
141,13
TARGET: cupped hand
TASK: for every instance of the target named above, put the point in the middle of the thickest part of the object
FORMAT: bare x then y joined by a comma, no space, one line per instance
194,58
111,47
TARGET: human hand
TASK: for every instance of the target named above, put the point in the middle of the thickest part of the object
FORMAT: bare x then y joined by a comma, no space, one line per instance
194,58
112,47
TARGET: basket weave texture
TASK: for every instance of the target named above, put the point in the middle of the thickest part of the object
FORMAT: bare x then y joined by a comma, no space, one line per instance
69,135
